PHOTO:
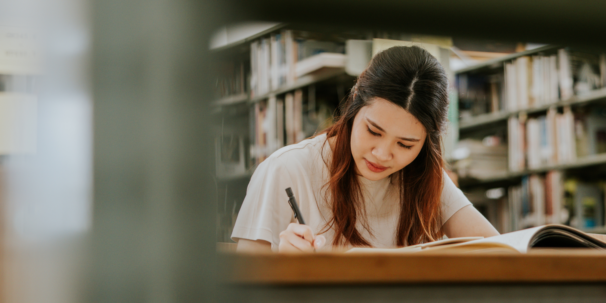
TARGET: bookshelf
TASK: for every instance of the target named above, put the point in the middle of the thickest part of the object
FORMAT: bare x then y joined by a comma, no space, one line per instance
498,62
481,120
334,74
546,107
512,176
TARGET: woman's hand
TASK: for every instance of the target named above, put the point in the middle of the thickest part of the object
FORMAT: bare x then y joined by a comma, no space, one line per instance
299,238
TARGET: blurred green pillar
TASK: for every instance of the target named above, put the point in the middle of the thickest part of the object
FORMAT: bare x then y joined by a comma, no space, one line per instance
154,198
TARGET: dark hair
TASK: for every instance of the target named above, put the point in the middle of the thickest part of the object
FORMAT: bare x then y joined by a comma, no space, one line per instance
413,79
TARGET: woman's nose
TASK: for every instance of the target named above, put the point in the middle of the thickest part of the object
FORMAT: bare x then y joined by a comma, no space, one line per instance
382,152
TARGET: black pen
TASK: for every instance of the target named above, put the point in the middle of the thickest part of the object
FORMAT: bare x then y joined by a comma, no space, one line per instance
293,204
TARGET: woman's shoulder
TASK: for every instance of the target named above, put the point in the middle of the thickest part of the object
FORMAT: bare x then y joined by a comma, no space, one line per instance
293,161
308,150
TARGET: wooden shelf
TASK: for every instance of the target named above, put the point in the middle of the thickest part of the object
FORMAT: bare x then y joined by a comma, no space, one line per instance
480,120
249,38
582,162
304,81
231,100
483,119
497,63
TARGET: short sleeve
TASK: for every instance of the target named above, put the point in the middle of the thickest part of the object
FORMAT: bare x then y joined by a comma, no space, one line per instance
452,199
265,211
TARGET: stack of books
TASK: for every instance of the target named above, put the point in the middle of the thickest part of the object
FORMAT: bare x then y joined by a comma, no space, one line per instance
480,159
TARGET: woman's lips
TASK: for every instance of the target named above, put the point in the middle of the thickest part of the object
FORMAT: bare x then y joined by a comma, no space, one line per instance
374,167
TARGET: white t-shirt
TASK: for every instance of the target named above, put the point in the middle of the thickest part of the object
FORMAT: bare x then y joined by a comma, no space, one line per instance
265,211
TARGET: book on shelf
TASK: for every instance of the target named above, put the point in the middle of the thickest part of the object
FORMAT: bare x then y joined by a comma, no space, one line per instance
480,159
586,203
532,81
537,201
480,94
278,60
319,62
552,236
230,79
268,115
543,141
277,122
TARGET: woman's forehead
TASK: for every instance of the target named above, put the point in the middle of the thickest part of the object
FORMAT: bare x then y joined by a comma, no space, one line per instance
393,119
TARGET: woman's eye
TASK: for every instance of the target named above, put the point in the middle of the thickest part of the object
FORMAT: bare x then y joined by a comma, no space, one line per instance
373,133
405,146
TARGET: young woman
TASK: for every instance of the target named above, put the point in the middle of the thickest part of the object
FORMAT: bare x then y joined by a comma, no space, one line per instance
375,178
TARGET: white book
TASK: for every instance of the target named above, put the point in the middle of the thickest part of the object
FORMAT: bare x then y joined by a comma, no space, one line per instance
533,144
512,130
275,63
510,87
545,145
554,87
291,58
562,134
552,135
318,62
523,82
565,73
571,144
254,69
537,82
522,144
260,69
547,97
266,66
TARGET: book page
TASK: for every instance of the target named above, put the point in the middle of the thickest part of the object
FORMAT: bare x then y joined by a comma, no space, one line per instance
413,248
518,239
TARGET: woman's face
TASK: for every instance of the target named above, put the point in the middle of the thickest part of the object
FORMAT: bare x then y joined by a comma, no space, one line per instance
384,139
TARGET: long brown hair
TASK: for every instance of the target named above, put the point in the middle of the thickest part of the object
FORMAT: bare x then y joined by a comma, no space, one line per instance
414,80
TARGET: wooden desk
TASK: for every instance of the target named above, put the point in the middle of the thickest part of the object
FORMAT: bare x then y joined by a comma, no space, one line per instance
546,275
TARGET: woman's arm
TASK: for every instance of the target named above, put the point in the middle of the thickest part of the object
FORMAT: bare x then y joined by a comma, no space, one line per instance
250,246
295,239
468,222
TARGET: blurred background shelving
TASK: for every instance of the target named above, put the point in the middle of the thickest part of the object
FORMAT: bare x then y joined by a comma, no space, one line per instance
525,133
278,87
533,137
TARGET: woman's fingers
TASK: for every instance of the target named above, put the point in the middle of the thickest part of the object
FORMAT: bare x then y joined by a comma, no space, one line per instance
286,247
291,242
302,230
319,242
298,238
301,244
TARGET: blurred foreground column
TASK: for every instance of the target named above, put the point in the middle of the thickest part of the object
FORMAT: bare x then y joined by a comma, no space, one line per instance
154,209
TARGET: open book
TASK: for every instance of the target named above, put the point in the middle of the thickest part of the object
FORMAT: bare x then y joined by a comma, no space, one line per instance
546,236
